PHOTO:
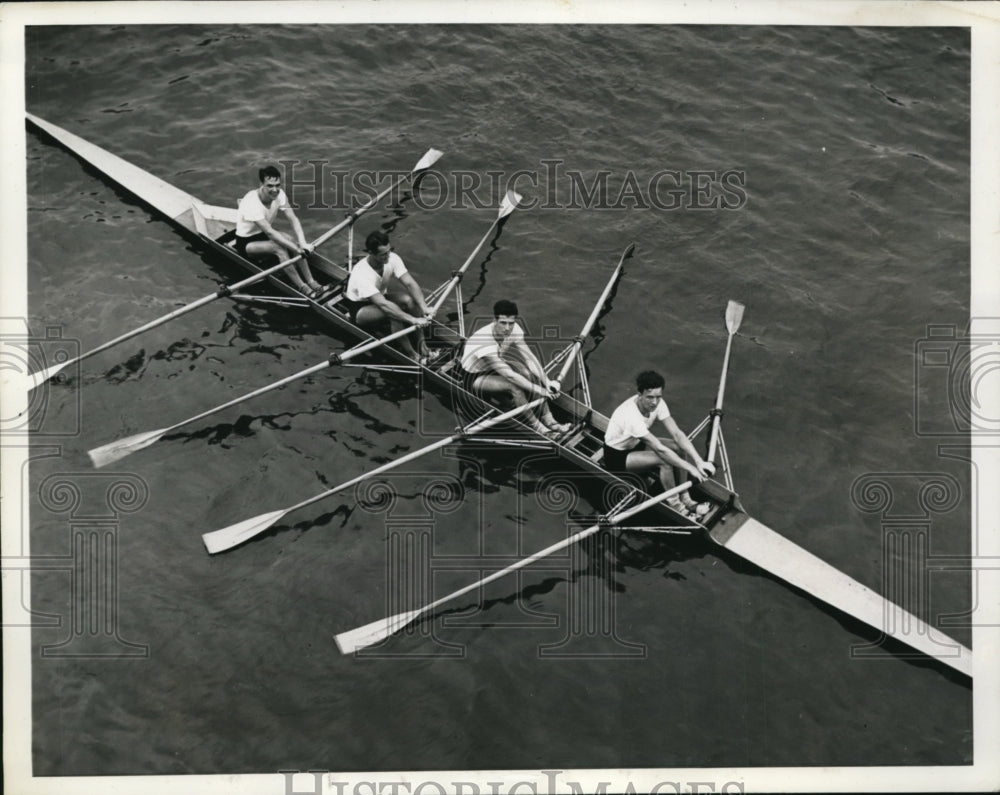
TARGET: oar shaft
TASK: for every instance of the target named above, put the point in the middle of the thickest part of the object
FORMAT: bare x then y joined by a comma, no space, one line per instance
481,424
568,541
150,325
716,416
353,216
607,291
578,344
364,347
725,372
734,316
461,271
249,395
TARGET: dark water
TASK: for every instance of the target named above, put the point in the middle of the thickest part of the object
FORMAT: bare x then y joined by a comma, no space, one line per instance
853,146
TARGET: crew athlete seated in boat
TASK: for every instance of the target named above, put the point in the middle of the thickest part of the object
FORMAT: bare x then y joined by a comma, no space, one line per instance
257,237
380,288
496,362
630,447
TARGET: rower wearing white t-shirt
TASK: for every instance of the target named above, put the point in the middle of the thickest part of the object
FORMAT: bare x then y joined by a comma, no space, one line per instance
380,288
257,237
630,447
497,362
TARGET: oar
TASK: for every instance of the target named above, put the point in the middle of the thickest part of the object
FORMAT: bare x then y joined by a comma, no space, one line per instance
734,316
236,534
116,450
507,206
40,377
370,634
581,338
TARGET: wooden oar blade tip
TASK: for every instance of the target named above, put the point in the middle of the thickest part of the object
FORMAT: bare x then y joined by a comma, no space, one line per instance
375,632
117,450
431,156
734,316
510,203
236,534
38,378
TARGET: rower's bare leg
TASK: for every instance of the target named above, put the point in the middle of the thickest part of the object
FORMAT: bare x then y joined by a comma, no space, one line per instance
643,462
415,341
544,412
263,248
497,387
679,475
405,343
370,316
306,274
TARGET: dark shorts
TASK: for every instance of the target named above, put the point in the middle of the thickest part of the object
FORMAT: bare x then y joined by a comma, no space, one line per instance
617,460
353,307
465,378
241,242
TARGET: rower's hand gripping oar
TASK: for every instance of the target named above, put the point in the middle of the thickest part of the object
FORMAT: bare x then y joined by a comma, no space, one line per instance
114,451
734,316
236,534
370,634
40,377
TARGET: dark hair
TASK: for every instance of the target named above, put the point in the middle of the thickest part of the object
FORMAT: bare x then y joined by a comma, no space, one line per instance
268,172
504,307
648,379
376,239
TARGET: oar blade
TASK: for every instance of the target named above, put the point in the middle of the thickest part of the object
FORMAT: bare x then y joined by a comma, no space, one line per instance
40,377
375,632
117,450
236,534
734,316
431,156
510,203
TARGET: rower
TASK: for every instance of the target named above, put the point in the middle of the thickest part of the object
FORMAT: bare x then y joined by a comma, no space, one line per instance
497,363
380,288
257,237
630,447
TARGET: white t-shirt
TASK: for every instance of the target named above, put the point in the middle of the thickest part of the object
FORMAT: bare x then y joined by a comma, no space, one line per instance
364,281
627,425
252,209
482,344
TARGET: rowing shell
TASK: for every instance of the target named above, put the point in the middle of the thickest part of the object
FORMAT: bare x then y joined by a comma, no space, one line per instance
726,523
